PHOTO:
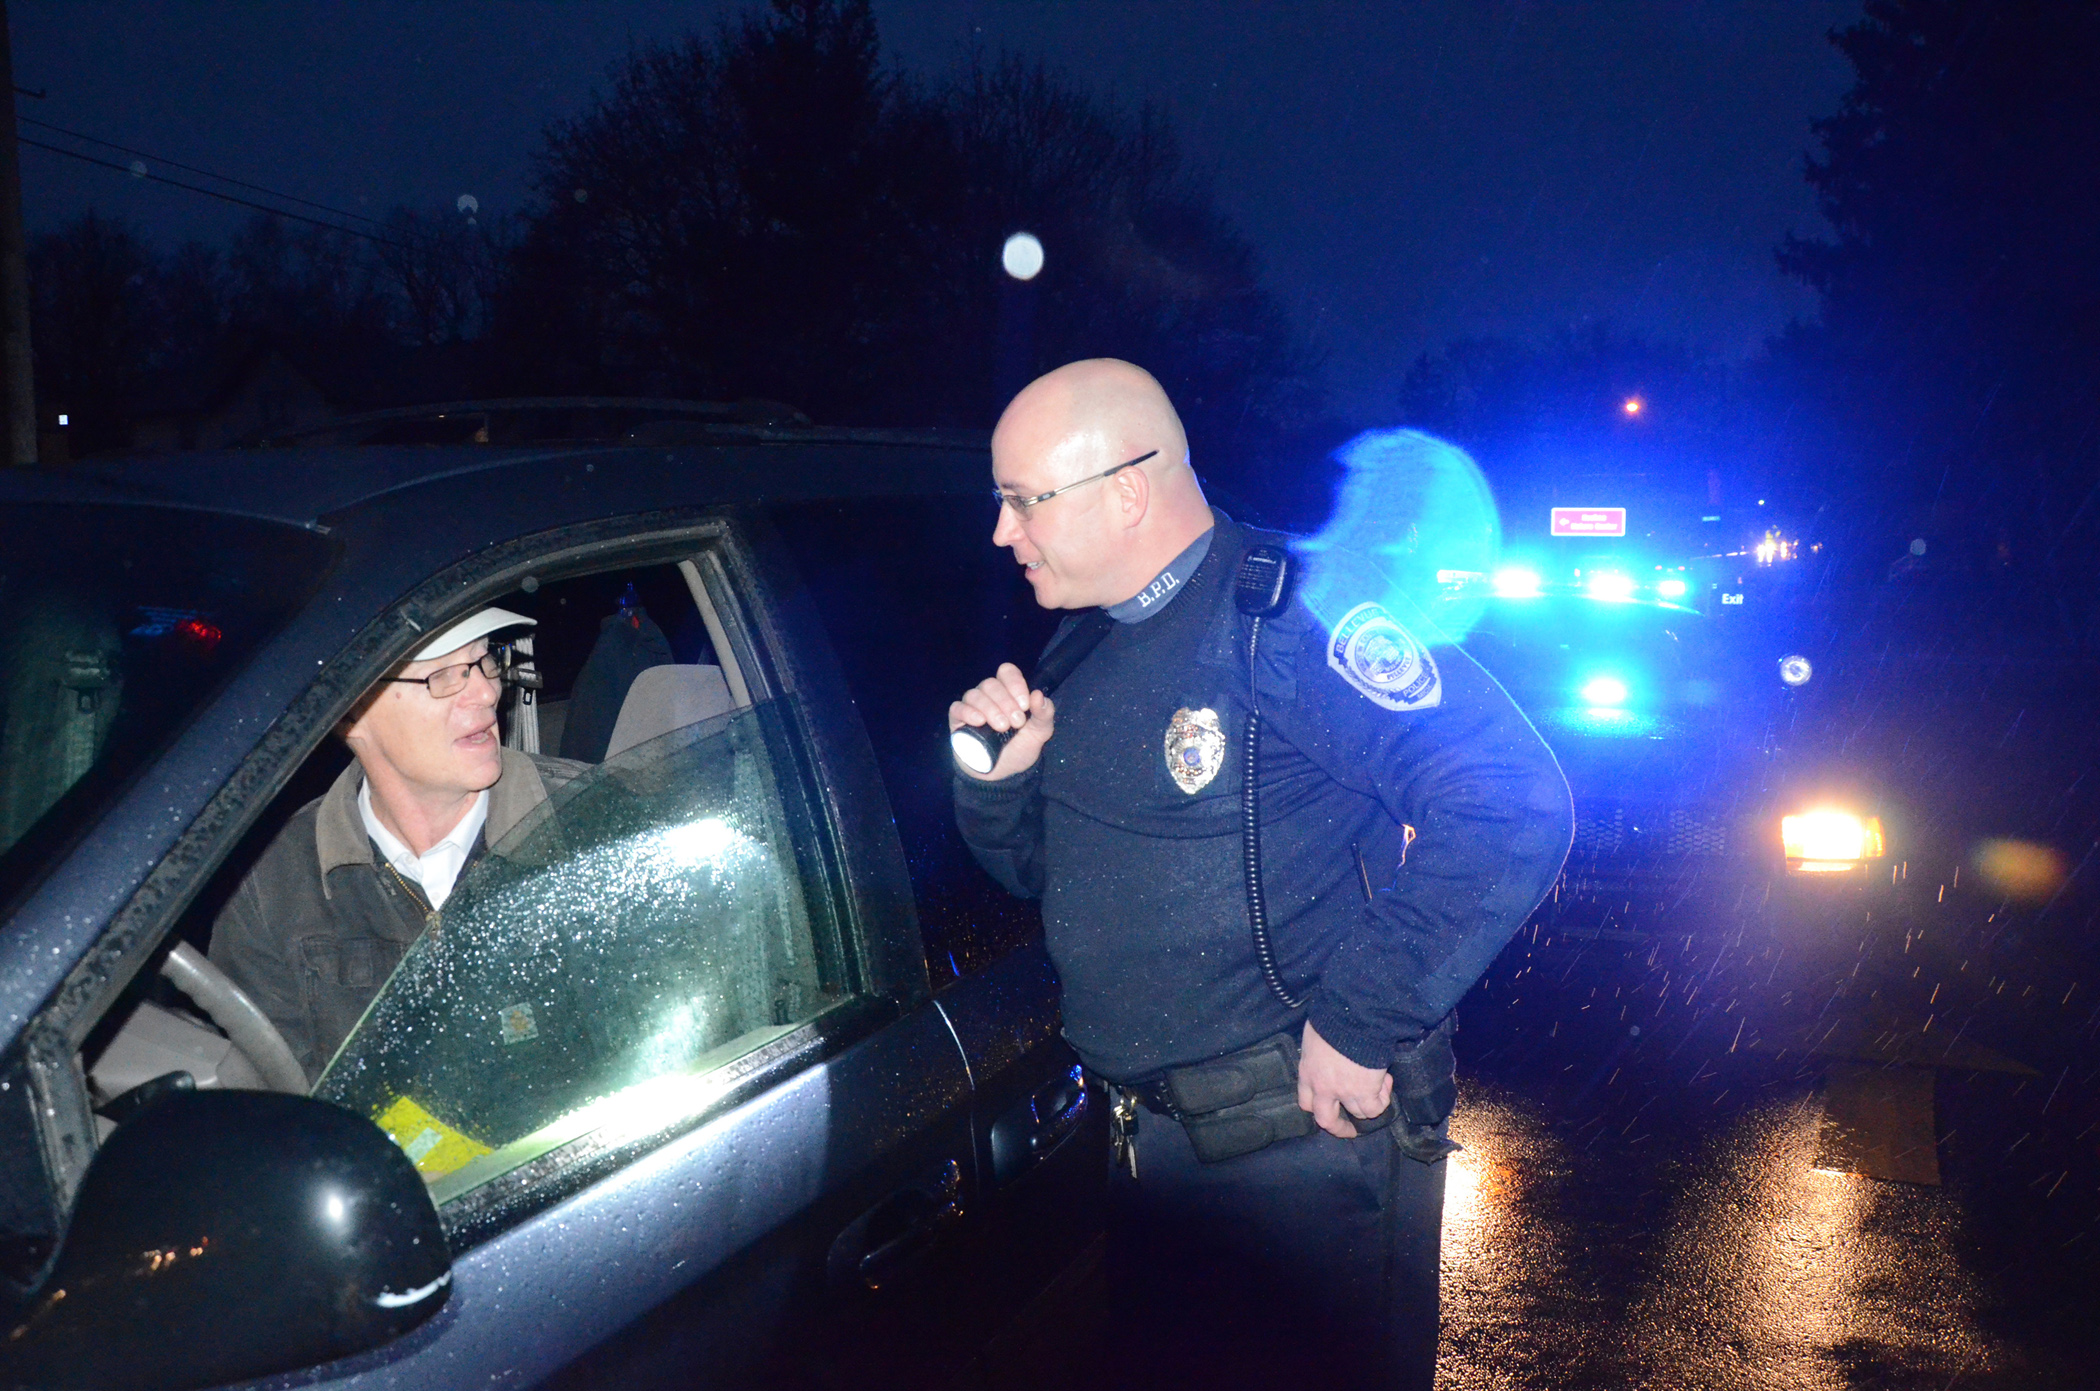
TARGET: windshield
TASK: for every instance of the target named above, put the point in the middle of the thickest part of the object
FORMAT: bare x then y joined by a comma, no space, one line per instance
116,624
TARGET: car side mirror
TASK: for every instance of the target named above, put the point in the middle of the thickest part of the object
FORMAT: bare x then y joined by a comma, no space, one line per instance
225,1235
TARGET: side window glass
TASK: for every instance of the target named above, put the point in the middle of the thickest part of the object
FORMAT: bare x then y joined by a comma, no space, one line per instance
919,606
116,625
661,915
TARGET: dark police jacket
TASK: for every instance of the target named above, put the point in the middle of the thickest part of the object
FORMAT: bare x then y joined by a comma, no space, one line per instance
1363,735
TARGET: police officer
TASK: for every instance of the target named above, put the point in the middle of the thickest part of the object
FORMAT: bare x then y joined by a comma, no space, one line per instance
1275,1207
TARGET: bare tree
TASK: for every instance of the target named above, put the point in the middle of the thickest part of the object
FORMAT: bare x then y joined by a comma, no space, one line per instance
769,212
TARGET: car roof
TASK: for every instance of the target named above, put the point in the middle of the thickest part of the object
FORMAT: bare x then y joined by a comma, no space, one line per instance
304,486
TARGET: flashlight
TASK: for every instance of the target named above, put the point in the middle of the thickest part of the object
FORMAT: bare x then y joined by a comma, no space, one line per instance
977,746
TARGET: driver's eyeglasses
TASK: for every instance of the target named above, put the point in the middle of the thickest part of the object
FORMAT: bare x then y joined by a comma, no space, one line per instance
1022,504
447,682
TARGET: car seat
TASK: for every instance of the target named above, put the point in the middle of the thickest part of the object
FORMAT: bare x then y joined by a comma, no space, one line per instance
664,698
629,642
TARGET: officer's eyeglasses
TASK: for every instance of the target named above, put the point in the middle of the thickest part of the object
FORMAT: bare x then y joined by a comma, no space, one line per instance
1023,504
446,682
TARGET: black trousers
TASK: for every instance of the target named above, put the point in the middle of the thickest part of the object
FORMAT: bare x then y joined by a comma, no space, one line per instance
1315,1256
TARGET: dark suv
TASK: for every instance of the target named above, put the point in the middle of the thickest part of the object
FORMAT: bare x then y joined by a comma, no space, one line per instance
1681,739
732,1068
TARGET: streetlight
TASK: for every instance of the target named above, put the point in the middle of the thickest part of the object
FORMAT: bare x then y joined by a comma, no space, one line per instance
1022,256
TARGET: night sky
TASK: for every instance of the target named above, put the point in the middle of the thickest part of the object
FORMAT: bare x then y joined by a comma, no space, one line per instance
1409,173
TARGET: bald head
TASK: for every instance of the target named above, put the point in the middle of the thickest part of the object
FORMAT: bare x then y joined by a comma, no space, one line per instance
1102,542
1088,416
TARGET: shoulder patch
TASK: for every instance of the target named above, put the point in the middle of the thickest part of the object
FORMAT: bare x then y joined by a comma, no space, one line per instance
1383,661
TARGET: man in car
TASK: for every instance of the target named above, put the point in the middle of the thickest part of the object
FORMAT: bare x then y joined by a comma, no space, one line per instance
1410,819
359,874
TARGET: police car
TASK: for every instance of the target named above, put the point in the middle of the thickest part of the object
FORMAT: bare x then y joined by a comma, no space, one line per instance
785,1103
1682,736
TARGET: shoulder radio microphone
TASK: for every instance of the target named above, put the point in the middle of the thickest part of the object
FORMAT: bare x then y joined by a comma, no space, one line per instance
977,746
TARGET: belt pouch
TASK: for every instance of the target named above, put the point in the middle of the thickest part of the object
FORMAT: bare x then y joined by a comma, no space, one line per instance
1425,1075
1242,1102
1425,1088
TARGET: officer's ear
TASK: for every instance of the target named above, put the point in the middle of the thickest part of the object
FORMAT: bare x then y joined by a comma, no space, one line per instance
1133,495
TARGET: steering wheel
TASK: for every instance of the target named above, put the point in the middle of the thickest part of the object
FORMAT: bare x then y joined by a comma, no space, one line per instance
242,1020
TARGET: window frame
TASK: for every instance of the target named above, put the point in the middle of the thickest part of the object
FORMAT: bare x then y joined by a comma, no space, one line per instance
862,880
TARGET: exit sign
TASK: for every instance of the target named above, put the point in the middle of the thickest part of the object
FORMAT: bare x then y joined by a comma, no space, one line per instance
1589,521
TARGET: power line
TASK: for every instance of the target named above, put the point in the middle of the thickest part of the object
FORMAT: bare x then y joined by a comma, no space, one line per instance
193,169
211,193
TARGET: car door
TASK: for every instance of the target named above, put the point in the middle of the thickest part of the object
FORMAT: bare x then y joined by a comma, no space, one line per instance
669,1065
807,1236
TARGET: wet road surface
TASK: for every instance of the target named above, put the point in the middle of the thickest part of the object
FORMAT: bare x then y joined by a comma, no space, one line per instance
1657,1210
1774,1135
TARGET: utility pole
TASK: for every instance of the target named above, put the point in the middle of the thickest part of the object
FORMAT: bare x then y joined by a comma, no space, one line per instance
15,363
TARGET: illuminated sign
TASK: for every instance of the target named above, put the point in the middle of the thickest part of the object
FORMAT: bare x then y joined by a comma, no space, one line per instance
1589,521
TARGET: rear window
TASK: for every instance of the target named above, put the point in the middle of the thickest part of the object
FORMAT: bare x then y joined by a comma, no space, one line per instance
116,625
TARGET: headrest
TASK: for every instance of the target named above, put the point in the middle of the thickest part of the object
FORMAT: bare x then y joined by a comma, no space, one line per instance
666,698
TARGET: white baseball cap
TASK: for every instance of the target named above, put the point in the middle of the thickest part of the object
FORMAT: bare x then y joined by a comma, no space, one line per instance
478,625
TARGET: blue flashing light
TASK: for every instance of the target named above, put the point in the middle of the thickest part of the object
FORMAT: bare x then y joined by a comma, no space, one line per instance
1604,691
1516,583
1671,589
158,623
1611,586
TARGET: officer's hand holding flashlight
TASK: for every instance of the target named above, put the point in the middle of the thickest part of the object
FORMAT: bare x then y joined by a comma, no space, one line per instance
1004,703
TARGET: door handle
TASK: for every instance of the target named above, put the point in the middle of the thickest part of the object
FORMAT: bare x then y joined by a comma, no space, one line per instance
880,1242
1059,1108
1038,1125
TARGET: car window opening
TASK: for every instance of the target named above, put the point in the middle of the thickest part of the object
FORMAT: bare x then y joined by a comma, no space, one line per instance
667,911
597,636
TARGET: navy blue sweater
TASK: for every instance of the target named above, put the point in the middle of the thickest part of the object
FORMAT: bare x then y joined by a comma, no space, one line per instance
1142,878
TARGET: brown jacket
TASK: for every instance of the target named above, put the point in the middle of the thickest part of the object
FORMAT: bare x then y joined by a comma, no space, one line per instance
319,924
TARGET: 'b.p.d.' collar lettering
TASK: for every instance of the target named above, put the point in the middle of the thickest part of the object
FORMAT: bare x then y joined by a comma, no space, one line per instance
1165,585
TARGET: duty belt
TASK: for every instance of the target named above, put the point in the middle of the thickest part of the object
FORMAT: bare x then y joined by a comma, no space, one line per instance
1248,1100
1237,1104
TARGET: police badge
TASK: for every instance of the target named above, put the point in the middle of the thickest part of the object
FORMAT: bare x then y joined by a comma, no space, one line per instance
1195,749
1382,659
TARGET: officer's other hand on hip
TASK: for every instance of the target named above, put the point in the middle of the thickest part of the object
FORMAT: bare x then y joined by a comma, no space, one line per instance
1004,702
1335,1088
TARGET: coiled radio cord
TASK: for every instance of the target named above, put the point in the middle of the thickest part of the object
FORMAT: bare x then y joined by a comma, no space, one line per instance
1250,837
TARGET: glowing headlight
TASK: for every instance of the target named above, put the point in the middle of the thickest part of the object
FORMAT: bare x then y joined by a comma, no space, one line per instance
1671,589
1517,583
1827,841
1610,585
1604,690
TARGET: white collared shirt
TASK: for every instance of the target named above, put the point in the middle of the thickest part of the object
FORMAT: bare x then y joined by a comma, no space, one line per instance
437,869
